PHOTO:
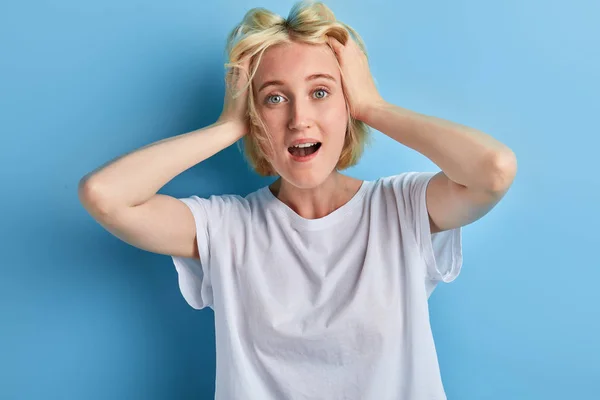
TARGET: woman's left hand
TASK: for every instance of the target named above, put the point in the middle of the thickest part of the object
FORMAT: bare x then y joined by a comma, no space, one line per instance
357,81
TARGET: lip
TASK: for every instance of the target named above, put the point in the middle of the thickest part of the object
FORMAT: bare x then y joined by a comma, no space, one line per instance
307,158
304,140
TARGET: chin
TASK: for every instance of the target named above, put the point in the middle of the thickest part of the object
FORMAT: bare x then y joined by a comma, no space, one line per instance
308,174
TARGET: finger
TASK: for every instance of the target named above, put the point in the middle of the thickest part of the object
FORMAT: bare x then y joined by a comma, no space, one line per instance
335,44
229,78
245,67
242,75
245,63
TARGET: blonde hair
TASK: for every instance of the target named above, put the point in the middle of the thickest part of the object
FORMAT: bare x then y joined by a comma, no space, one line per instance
308,22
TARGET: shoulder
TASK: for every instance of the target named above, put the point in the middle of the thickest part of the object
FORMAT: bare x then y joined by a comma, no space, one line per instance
233,201
407,178
405,184
216,202
220,207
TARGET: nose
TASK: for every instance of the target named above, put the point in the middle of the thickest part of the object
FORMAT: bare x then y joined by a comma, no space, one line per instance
300,115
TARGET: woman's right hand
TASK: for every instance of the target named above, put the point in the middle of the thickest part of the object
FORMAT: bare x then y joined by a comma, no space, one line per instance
235,108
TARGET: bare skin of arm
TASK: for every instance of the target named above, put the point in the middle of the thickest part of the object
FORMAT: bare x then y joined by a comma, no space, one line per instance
122,194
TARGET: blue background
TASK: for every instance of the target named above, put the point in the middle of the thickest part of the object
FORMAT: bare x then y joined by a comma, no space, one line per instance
86,316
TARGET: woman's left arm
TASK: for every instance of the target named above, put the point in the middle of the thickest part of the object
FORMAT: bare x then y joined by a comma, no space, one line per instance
477,170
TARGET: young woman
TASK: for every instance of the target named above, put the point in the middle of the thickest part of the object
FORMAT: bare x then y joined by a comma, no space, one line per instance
319,282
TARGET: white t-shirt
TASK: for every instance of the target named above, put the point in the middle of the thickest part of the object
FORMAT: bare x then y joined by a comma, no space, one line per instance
329,308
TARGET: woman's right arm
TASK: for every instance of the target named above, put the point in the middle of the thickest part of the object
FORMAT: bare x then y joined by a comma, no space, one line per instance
122,195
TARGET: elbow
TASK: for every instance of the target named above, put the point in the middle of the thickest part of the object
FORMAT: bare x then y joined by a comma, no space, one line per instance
91,197
503,169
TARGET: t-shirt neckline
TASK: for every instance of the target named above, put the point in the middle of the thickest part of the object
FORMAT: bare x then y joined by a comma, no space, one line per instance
319,223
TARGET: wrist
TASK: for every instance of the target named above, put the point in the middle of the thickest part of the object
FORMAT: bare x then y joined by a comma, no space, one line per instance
236,127
367,113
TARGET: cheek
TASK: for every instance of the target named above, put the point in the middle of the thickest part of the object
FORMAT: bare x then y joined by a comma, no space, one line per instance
274,121
336,119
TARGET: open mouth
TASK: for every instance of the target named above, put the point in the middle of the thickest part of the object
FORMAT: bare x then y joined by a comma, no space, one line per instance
304,150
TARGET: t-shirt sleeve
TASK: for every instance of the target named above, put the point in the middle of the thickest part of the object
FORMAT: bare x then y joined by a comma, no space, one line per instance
195,277
442,251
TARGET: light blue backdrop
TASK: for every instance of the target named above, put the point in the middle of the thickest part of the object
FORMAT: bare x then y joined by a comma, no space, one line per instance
86,316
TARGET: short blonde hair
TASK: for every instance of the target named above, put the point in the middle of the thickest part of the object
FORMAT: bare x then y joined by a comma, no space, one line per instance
308,22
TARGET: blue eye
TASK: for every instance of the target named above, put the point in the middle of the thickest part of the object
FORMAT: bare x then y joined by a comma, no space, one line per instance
325,91
270,97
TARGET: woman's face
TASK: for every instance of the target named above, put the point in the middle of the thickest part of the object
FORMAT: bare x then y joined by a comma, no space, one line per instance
298,94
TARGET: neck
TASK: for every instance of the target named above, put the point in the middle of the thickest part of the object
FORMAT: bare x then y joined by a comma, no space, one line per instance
318,201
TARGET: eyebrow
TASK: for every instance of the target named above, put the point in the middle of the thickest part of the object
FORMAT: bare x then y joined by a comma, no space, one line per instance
308,78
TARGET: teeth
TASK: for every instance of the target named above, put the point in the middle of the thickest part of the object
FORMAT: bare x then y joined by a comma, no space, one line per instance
305,145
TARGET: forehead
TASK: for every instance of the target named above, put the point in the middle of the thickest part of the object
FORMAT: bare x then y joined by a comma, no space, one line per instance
291,62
